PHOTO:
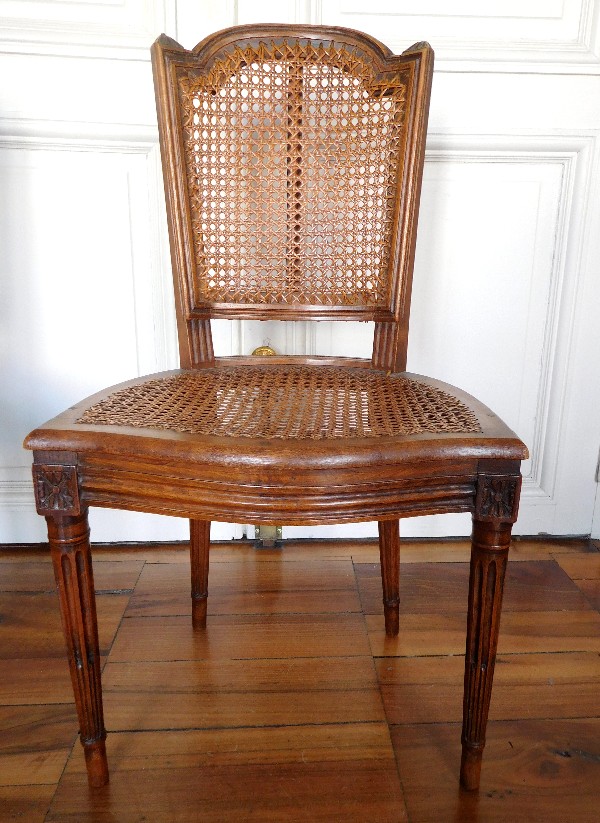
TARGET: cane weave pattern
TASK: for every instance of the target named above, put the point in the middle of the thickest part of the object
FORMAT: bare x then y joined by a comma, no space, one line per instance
292,153
298,402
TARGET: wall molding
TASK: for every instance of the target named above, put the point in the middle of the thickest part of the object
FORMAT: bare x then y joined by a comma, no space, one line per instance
574,153
102,138
17,494
565,52
122,30
71,135
125,31
151,284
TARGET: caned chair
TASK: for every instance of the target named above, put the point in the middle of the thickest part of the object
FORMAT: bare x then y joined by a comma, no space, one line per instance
292,161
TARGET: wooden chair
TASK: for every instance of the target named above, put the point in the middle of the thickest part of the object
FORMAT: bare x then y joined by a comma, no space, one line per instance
292,161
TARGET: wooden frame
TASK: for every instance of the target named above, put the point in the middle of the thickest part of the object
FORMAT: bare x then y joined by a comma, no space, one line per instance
169,59
294,480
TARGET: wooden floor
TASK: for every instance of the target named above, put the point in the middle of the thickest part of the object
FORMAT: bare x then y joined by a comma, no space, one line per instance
293,706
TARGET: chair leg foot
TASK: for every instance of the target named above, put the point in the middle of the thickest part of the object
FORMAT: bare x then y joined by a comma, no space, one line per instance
391,614
470,767
199,608
96,763
389,553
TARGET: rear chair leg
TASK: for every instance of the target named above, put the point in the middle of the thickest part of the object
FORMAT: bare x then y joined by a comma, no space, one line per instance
70,546
199,550
389,553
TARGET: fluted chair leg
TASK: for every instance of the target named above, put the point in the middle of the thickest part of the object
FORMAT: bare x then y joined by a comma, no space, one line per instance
70,546
199,551
389,554
489,555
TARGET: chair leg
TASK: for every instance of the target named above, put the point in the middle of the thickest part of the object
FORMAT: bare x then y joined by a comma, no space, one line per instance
70,546
489,555
389,554
199,550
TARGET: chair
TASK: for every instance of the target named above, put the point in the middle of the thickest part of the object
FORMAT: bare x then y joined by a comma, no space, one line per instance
292,160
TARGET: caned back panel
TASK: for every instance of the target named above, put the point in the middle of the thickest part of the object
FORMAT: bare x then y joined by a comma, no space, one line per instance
292,164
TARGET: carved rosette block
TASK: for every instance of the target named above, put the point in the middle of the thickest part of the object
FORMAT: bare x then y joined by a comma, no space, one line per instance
497,498
71,556
389,554
56,489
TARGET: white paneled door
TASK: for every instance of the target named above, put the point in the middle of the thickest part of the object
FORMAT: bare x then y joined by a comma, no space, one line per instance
507,285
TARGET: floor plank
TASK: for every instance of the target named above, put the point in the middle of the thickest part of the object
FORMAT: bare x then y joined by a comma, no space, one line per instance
31,627
39,577
27,804
429,689
235,693
321,773
194,748
35,742
591,589
35,680
581,566
356,792
241,637
292,705
442,587
532,770
250,587
520,632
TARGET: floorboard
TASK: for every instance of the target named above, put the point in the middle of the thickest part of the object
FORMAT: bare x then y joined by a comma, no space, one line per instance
293,705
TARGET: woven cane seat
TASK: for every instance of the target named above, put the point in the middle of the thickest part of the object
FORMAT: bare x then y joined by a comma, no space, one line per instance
298,402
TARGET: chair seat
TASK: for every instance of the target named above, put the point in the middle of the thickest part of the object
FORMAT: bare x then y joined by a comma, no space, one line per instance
295,444
286,402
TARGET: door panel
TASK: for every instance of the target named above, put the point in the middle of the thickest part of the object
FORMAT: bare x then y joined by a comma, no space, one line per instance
506,287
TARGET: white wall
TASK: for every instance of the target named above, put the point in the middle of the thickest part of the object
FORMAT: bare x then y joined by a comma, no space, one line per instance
506,281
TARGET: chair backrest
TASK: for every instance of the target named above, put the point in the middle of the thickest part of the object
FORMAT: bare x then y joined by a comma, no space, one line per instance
292,160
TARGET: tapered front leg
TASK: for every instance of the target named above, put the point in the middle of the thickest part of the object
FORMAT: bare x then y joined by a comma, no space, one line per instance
496,508
71,556
489,555
389,554
199,551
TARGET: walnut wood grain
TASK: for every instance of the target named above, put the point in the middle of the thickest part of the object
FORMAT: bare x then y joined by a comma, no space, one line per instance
216,716
489,555
389,553
401,81
261,227
70,547
199,560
